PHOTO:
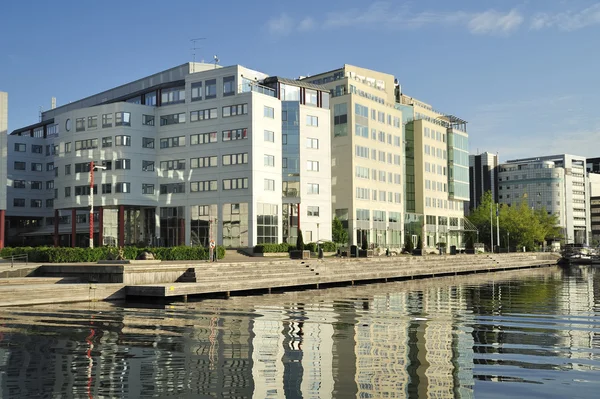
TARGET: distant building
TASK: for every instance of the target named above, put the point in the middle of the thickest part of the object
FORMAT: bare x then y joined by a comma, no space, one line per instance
557,183
483,177
593,168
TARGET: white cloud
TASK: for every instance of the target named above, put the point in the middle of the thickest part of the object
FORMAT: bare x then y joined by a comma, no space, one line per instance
567,20
281,25
307,24
495,22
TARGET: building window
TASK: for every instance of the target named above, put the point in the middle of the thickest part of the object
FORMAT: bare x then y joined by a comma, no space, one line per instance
210,89
81,218
312,120
36,167
234,110
122,164
269,160
266,223
147,188
37,149
269,185
147,142
106,141
86,144
199,186
235,159
174,95
312,166
235,184
67,169
148,120
310,97
312,143
123,188
228,86
197,91
172,142
235,134
203,114
107,188
172,119
20,147
80,124
39,132
85,190
147,166
312,211
204,162
68,147
150,98
92,122
19,202
123,141
203,138
67,192
313,188
82,167
18,183
269,136
107,120
36,185
269,112
177,164
50,185
51,130
172,188
20,165
50,203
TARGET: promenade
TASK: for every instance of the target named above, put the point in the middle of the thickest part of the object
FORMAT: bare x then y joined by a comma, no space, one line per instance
41,284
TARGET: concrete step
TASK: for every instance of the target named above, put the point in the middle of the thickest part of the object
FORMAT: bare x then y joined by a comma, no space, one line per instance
38,280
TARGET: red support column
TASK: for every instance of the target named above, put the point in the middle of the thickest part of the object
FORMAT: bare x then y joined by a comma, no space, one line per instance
56,219
73,227
121,225
100,226
2,227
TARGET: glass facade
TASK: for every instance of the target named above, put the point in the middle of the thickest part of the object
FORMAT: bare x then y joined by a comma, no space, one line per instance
204,224
458,160
267,218
291,149
235,225
172,226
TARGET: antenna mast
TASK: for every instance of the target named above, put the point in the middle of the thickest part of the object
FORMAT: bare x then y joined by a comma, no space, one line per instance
194,48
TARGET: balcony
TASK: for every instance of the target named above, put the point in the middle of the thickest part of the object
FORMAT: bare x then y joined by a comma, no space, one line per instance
251,86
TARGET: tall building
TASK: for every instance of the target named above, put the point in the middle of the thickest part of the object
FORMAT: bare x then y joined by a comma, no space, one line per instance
483,177
186,155
3,162
558,184
399,168
593,169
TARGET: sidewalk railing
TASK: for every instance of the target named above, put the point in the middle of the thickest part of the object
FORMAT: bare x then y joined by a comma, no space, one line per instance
17,258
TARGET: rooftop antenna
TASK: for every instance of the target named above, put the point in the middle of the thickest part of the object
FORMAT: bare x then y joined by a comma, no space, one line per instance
216,60
194,48
41,111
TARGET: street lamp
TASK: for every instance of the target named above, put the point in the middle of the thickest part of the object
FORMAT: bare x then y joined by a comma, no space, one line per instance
508,241
92,168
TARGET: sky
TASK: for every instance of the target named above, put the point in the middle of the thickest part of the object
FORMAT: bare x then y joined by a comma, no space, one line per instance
524,74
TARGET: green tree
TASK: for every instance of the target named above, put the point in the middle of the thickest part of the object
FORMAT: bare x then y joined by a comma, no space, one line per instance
365,243
300,241
420,243
338,232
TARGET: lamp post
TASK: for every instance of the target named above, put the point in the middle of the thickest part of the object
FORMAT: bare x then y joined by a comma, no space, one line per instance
317,238
508,241
92,168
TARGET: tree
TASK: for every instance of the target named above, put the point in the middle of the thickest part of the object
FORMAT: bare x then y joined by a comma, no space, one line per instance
408,244
338,232
300,241
420,243
365,244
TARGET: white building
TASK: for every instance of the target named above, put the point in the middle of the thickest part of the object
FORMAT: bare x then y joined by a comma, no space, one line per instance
557,183
190,154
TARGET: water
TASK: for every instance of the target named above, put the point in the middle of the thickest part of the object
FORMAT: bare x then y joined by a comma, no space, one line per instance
533,333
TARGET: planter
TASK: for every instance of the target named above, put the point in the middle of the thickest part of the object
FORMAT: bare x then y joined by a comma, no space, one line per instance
363,253
417,252
295,254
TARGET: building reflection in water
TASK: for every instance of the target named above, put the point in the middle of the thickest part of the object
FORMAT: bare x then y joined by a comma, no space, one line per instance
431,339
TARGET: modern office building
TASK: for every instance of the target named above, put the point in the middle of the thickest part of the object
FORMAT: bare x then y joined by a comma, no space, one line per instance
483,177
396,162
593,169
3,157
558,184
189,154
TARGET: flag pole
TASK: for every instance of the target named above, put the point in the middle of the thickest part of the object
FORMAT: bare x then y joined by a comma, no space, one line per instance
492,226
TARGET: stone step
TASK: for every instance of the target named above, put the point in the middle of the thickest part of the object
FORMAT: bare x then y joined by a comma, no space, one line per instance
38,280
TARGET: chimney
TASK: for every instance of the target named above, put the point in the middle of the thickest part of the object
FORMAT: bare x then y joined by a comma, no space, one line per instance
53,103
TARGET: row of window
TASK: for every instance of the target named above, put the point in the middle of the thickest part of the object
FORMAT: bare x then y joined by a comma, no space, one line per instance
34,203
435,152
435,134
381,156
377,195
431,168
436,186
366,173
34,185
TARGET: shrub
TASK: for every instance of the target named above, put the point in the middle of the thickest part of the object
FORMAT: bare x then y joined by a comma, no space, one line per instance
408,244
420,243
300,241
329,246
271,248
365,244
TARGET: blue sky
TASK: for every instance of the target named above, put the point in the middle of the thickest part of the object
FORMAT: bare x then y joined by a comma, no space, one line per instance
525,74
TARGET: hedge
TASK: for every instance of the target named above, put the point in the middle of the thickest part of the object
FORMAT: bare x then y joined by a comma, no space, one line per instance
67,254
285,247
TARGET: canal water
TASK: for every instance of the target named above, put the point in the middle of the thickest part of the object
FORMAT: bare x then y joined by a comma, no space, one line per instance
519,334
